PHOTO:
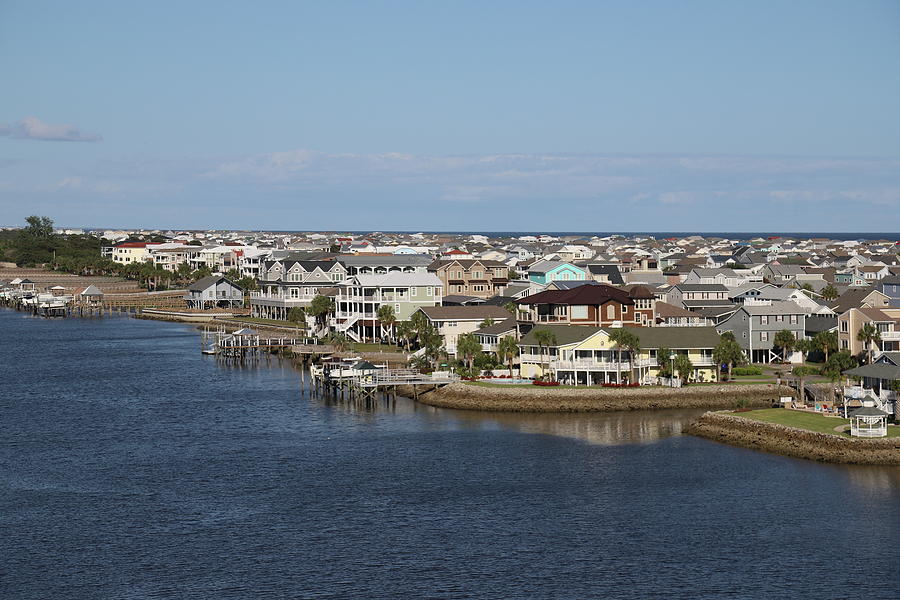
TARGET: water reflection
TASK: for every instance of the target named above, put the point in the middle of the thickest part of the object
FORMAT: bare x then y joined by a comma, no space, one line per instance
595,428
877,481
608,429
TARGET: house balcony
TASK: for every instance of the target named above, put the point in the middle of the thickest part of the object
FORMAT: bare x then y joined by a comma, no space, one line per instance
343,315
590,365
696,362
552,319
264,299
861,392
889,336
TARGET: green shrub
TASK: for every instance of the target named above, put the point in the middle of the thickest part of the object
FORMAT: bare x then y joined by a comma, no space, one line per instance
746,371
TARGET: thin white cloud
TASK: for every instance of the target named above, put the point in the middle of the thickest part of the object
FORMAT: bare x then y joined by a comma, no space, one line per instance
655,192
32,128
664,181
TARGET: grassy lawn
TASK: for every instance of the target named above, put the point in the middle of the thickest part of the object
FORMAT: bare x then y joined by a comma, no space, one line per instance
581,387
521,385
274,322
803,420
375,348
735,381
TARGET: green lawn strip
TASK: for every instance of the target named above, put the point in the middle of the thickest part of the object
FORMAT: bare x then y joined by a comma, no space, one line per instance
375,348
272,322
600,387
734,382
803,420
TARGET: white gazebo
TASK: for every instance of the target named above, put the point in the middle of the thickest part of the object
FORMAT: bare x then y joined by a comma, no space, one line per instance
868,421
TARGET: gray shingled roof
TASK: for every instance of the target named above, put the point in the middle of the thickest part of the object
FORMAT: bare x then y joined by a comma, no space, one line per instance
776,308
504,326
701,287
875,371
206,282
465,313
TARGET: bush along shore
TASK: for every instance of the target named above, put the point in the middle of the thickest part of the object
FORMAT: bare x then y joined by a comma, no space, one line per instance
550,399
797,443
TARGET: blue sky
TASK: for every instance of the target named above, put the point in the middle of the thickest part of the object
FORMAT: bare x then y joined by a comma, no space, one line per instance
452,115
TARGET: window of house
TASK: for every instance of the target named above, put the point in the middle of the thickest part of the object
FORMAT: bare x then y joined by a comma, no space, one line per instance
624,308
414,292
794,319
764,336
579,312
610,312
764,320
428,291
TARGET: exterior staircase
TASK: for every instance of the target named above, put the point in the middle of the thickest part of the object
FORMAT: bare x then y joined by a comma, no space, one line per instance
346,327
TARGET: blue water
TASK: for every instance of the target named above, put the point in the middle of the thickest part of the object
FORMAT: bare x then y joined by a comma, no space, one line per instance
132,466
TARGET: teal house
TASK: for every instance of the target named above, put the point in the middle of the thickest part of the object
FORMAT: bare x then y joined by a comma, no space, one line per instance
548,271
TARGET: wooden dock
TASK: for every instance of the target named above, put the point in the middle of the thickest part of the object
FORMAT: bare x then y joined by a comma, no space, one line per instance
366,382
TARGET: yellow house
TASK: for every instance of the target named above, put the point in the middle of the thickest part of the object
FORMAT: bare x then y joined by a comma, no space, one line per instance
586,355
132,252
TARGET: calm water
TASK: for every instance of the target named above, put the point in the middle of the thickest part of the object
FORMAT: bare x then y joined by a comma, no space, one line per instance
131,466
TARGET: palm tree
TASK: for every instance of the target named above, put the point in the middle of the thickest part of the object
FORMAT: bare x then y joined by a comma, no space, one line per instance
486,323
507,350
468,347
405,332
868,335
684,367
387,317
183,272
632,344
296,316
320,307
835,367
728,351
801,373
785,340
619,337
339,340
433,342
826,342
829,293
419,323
664,369
545,338
512,307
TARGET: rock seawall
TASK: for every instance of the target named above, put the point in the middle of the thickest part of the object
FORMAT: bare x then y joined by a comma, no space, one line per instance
550,399
797,443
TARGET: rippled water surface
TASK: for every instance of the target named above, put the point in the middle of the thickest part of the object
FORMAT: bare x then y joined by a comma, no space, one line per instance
132,466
